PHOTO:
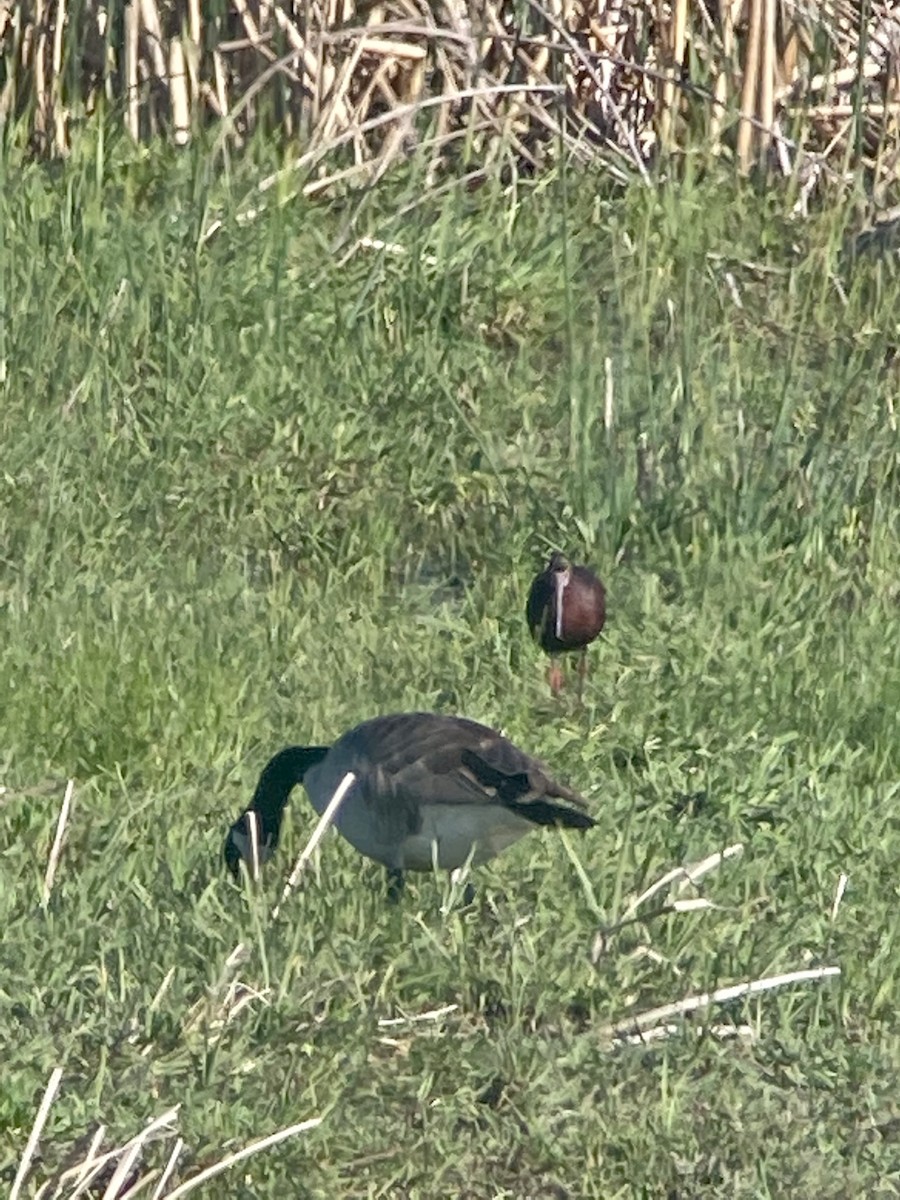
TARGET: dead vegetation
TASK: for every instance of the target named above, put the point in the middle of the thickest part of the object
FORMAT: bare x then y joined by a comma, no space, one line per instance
811,89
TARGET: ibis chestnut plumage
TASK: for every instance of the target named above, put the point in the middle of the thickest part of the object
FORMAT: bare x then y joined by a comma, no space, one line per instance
566,611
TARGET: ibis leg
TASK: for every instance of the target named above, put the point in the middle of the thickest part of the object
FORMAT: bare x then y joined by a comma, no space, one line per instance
556,677
582,672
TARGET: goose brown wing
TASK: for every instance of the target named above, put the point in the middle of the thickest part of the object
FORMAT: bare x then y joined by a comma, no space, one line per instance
524,784
414,759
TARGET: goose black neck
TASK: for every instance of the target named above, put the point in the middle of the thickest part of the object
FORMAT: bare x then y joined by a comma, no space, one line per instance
280,775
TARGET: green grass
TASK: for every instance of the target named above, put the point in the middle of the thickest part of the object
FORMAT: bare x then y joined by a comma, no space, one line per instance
255,489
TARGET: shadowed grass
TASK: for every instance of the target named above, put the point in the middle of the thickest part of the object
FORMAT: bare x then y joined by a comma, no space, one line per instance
251,496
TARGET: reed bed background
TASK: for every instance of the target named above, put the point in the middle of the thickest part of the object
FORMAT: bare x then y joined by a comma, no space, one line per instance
809,88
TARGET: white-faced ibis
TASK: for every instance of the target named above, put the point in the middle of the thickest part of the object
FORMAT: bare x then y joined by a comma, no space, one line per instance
566,611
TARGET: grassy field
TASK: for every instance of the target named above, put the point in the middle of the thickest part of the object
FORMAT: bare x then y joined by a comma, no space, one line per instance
260,486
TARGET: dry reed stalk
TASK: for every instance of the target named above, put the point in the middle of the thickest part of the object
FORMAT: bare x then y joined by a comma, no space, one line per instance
82,1177
34,1136
132,102
41,99
767,76
60,141
750,86
178,91
322,827
249,23
841,78
168,1170
342,89
659,1033
154,38
789,57
725,71
56,848
685,876
754,987
434,1014
674,57
195,24
220,91
238,1156
82,1169
123,1170
10,20
155,68
88,1170
844,110
253,823
842,882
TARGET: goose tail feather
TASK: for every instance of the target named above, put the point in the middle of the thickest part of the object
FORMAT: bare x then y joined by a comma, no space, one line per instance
544,812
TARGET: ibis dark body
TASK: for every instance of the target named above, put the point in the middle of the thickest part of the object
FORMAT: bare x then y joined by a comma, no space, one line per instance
566,610
430,791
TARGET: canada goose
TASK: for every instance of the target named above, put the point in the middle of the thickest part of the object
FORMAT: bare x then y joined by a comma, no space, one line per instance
566,610
430,790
